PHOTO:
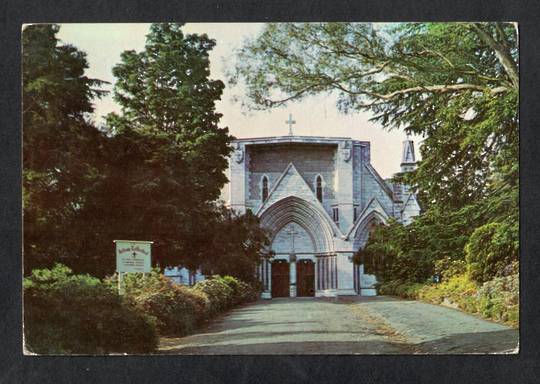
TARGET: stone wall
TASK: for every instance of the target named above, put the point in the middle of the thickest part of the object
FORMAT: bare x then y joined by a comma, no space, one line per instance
309,160
282,242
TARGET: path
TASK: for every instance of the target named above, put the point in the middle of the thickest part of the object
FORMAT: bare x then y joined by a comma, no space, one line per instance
379,325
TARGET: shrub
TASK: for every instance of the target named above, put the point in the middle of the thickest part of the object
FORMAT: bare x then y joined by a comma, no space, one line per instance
457,290
78,314
490,249
497,299
447,267
177,309
219,293
242,291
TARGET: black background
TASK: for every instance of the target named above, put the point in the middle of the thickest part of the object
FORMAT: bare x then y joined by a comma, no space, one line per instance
17,368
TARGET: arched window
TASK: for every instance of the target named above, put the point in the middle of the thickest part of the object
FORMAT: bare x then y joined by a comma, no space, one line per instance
264,188
318,187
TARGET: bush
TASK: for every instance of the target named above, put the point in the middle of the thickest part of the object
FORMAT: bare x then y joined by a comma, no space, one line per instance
78,314
177,309
447,267
490,249
497,299
242,291
457,290
219,293
407,290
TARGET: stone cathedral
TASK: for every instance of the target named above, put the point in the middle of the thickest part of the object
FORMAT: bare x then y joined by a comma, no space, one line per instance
319,197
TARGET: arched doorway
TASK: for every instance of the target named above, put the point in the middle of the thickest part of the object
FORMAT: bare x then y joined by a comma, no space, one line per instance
364,281
294,245
301,236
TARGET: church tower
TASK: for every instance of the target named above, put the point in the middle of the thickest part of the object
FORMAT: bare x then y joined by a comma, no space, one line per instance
408,160
410,207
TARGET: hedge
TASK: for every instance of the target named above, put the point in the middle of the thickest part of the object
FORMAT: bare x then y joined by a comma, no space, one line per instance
79,314
180,310
177,309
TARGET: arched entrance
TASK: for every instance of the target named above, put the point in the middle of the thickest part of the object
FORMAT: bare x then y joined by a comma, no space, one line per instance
364,282
301,236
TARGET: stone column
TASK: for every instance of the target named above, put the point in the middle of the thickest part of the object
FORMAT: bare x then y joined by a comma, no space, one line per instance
345,272
292,276
267,280
238,174
344,193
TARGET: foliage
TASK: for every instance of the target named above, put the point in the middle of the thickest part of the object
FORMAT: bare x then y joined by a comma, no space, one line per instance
454,84
225,292
237,245
219,293
447,267
60,145
242,291
409,253
178,310
78,314
490,249
167,154
497,299
155,173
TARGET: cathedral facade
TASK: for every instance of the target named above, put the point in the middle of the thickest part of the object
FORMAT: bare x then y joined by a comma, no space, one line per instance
319,197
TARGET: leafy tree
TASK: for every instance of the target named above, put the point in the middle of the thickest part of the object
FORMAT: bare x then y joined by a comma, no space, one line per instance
167,154
238,245
155,174
60,145
455,84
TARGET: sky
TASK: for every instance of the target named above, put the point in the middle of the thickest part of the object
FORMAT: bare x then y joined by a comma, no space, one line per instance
316,115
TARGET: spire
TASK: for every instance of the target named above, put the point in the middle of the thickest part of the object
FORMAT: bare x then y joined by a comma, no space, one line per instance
408,160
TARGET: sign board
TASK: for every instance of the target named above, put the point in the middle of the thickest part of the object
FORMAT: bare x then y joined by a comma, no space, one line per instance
133,256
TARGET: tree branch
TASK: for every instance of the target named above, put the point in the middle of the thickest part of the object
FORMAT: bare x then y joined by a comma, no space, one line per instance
436,89
502,53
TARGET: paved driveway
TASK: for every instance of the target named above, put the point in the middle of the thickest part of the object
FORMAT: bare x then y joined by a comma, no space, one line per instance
379,325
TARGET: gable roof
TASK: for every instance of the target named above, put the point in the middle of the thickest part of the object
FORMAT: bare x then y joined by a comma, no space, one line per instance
374,205
380,180
411,200
291,183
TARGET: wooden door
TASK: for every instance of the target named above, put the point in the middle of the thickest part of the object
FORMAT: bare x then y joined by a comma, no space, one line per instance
305,278
280,278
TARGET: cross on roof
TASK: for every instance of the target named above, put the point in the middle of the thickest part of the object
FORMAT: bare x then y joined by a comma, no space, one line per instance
292,232
290,122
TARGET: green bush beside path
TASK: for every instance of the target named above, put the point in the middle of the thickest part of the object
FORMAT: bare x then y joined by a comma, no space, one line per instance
67,313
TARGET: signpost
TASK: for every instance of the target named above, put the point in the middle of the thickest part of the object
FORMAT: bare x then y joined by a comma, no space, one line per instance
132,256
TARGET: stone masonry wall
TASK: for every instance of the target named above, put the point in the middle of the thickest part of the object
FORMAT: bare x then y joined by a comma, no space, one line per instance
282,242
309,160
